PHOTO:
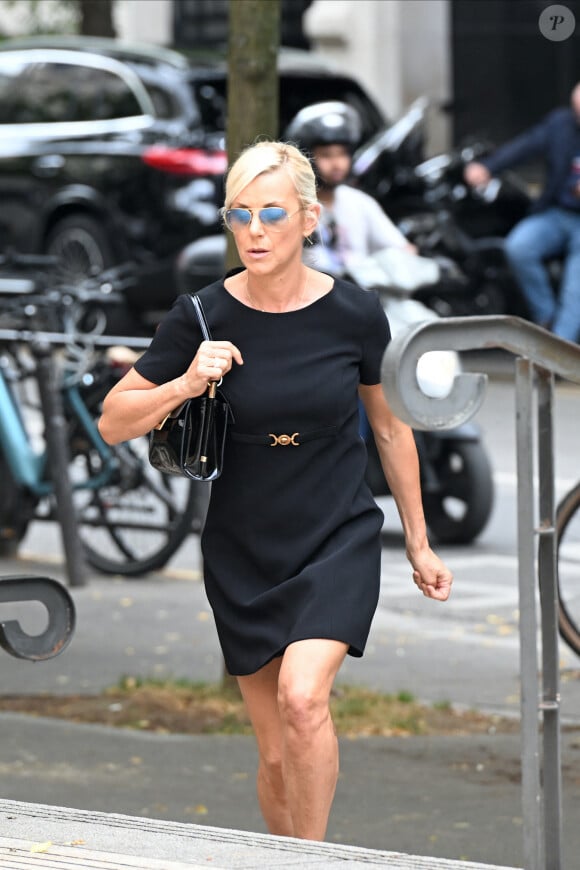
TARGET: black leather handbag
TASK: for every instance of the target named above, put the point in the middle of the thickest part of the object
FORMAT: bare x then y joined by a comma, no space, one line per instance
190,441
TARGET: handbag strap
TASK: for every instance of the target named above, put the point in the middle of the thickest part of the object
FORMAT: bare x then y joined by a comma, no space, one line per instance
198,307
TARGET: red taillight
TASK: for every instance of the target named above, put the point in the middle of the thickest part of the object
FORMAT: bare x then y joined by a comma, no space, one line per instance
186,161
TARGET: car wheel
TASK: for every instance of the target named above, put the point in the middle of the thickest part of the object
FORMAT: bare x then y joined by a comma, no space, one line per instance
81,245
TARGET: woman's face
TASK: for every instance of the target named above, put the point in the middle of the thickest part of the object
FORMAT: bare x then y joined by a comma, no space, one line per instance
265,247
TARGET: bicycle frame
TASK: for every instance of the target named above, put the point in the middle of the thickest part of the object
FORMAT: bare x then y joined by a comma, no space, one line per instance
27,465
74,401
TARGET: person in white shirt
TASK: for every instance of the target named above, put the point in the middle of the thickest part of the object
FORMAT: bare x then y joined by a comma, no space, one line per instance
353,224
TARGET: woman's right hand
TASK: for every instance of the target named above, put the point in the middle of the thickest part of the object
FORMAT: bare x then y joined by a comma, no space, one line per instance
212,361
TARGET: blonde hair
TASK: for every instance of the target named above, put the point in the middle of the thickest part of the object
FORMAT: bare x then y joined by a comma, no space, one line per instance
269,156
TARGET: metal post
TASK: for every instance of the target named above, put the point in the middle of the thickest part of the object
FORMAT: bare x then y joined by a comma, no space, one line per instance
530,749
534,347
547,576
58,455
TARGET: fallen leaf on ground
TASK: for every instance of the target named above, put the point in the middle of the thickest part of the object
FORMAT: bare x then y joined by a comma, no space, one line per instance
41,847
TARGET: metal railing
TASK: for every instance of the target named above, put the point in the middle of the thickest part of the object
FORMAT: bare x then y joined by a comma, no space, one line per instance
539,356
60,624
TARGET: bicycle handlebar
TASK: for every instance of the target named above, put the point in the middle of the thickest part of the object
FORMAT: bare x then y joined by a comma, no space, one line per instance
17,260
43,270
47,288
35,301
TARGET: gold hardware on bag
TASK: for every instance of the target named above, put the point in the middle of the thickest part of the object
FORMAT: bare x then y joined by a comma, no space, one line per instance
284,440
163,422
211,391
173,413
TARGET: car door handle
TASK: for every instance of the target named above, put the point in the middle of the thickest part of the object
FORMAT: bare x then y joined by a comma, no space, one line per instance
48,165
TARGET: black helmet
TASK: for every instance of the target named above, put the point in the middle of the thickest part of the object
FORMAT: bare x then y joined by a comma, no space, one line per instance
330,123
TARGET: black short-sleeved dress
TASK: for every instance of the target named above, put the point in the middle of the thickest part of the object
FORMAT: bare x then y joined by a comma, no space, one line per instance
291,544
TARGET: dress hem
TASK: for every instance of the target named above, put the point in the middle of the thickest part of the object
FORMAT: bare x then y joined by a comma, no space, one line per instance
354,651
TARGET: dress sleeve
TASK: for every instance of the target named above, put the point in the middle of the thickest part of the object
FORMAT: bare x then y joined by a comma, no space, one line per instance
174,344
377,335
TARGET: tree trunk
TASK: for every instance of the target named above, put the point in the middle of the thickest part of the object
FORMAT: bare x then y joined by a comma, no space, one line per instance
96,18
254,27
253,92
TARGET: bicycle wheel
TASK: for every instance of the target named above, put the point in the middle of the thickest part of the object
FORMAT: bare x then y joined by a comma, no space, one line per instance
138,518
568,563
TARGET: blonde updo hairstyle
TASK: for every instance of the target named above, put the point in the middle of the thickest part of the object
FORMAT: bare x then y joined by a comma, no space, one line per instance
269,156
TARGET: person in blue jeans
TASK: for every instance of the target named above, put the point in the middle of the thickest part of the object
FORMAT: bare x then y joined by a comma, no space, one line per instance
552,229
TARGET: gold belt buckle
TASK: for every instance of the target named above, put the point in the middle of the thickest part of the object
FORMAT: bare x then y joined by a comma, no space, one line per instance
284,440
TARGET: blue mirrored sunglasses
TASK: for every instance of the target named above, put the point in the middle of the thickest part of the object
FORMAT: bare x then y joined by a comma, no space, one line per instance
274,217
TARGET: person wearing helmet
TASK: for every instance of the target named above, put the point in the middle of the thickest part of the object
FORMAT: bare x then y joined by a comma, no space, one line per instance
352,224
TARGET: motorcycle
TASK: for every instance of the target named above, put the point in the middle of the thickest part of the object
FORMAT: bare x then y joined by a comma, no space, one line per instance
445,218
456,475
392,168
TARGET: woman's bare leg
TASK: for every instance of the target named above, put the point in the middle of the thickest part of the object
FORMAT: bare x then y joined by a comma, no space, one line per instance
260,694
310,746
288,704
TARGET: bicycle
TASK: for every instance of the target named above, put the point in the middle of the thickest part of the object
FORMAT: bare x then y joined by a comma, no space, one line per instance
568,566
131,518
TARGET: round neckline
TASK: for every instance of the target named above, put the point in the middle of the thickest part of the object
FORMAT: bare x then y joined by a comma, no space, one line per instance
278,313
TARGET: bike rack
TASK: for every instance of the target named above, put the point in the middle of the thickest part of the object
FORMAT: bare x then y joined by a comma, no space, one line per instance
540,355
61,618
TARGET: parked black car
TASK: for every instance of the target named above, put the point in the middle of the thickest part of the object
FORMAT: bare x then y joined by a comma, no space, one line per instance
112,152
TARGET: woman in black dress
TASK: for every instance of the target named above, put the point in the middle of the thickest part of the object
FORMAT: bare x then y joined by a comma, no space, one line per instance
291,544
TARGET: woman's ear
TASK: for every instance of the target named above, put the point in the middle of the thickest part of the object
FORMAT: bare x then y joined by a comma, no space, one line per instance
312,216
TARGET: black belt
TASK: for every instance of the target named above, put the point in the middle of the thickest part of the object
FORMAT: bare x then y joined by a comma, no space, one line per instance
293,439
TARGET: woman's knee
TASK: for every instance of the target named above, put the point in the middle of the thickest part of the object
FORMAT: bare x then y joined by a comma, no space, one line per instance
302,707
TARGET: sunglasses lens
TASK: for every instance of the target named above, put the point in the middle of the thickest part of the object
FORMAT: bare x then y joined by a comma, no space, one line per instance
273,215
236,218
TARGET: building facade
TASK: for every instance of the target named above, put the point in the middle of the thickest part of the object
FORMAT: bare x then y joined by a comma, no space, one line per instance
485,65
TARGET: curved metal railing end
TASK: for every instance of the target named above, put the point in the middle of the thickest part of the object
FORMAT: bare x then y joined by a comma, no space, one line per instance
61,617
514,334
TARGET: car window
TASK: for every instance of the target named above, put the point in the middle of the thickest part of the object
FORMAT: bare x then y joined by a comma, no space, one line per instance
37,92
167,104
210,97
296,92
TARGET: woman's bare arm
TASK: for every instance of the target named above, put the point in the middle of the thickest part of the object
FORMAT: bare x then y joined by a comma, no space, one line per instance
135,405
398,455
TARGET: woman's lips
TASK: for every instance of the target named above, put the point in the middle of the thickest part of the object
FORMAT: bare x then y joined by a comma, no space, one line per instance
257,252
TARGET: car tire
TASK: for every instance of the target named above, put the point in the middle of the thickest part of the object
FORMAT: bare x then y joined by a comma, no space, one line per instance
82,246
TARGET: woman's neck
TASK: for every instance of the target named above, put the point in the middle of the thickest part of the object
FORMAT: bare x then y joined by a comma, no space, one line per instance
277,293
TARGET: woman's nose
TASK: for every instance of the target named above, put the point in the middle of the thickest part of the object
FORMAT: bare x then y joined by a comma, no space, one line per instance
256,225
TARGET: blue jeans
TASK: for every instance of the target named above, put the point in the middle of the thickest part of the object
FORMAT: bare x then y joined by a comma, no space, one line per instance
554,232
